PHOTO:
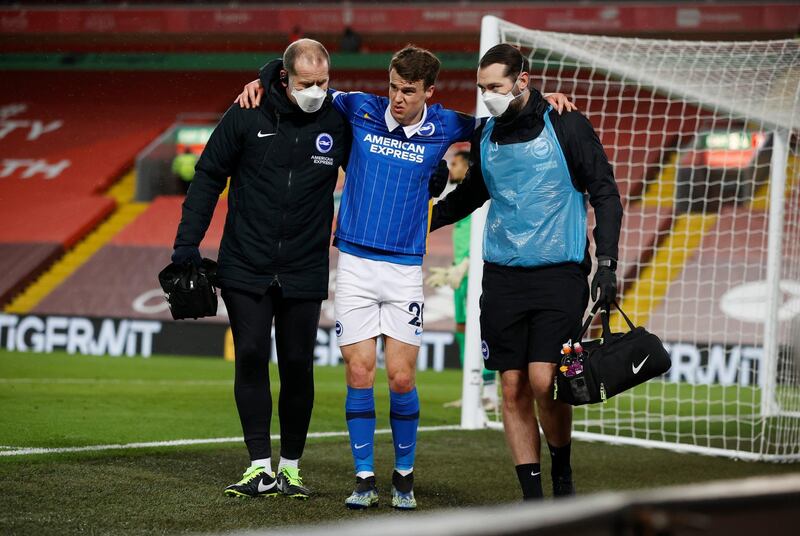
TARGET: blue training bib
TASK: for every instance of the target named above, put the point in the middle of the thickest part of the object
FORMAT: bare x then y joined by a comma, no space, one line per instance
536,217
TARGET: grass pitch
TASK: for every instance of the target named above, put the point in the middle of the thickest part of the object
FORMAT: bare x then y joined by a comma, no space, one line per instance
57,400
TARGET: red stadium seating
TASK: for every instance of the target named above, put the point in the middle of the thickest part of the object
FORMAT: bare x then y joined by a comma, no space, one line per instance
62,220
66,137
141,249
156,226
21,263
734,251
124,271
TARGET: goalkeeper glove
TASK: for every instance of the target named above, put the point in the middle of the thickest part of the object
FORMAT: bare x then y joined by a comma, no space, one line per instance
456,273
437,277
452,276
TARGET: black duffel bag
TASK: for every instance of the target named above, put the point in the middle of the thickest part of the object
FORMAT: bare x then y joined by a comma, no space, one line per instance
612,364
190,290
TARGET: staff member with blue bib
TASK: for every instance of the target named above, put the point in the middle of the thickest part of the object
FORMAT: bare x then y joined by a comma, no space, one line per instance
536,167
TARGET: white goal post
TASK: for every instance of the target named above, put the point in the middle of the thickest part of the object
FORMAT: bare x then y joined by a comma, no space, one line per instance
703,139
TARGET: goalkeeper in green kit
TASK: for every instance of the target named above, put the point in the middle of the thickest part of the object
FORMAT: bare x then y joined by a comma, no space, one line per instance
455,276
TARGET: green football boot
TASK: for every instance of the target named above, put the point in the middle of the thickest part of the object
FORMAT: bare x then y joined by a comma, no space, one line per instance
291,485
256,482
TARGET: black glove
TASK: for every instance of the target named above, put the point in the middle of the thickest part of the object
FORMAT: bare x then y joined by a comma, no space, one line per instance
605,279
438,180
184,254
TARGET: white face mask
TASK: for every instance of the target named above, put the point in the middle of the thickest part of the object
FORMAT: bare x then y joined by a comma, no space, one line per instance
309,99
498,103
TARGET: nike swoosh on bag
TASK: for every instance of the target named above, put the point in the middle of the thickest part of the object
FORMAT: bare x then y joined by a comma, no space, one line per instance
637,368
260,135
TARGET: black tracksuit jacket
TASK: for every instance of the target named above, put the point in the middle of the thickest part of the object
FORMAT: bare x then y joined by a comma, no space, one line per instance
587,162
280,202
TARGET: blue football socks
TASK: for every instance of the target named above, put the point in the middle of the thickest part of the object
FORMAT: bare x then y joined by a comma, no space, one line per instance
404,418
360,412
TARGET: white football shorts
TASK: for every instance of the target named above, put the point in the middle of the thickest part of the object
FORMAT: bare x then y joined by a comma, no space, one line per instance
377,298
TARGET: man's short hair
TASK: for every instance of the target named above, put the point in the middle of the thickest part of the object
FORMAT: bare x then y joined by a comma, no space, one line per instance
414,63
313,51
507,55
463,154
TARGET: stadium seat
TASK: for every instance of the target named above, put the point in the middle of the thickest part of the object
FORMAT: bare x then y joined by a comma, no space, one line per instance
124,270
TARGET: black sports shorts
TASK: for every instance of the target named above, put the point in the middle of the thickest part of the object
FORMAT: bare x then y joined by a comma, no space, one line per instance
528,313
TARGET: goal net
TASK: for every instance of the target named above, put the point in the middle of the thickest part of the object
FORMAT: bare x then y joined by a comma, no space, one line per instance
703,139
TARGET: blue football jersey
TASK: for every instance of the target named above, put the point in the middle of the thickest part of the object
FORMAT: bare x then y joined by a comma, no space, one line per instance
384,204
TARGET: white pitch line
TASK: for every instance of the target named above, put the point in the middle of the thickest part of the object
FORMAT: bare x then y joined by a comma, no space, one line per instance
114,381
183,442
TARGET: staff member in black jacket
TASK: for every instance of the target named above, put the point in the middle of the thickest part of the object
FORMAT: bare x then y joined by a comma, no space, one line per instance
283,159
535,167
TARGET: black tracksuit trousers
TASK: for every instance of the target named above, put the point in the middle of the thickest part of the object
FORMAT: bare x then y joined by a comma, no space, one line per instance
296,324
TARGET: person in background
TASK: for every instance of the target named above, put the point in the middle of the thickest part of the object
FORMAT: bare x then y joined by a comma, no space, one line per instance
183,168
455,276
296,33
351,41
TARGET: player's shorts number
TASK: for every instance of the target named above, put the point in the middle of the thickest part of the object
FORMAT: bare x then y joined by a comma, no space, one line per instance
416,309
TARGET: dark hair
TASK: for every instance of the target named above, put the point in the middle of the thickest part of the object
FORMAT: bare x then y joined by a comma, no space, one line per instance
414,63
314,51
507,55
464,155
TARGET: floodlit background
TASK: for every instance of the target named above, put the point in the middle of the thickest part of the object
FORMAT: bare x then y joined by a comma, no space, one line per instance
116,419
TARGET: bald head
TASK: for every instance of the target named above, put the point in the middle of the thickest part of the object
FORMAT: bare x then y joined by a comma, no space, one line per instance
306,51
305,64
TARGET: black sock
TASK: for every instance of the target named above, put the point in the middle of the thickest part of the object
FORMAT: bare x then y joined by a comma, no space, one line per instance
560,459
530,480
